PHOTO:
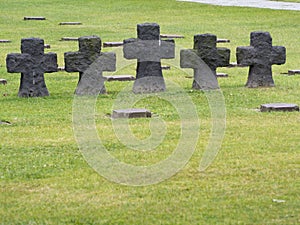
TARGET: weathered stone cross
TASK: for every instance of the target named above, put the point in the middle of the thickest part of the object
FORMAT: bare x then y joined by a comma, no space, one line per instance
90,58
260,56
205,49
148,49
32,63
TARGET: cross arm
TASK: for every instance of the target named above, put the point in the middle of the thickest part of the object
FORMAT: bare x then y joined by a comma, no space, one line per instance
279,55
130,50
148,50
189,59
49,63
18,63
204,77
224,56
75,62
143,50
167,50
107,61
245,55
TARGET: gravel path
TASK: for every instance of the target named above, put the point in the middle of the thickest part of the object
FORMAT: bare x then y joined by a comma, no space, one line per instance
251,3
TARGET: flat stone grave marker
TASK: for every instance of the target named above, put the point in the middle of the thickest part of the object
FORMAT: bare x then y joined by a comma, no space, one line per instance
69,39
70,23
171,36
131,113
2,122
32,63
3,81
260,57
165,67
148,49
112,44
205,49
119,78
222,75
235,64
89,60
293,72
5,41
61,68
223,41
284,107
34,18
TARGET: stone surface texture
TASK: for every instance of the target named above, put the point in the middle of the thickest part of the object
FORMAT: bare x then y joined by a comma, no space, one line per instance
32,63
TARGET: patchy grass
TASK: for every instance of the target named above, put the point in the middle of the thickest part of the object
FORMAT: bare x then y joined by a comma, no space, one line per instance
44,178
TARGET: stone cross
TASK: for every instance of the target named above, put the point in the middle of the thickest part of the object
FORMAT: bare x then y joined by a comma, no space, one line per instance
205,50
148,49
90,57
32,63
260,56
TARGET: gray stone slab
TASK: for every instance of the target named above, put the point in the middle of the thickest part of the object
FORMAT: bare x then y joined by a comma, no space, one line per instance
293,72
5,41
119,78
171,36
112,44
34,18
131,113
70,23
284,107
3,81
69,39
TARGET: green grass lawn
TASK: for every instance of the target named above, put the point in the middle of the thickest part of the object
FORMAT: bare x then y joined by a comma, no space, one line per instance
44,178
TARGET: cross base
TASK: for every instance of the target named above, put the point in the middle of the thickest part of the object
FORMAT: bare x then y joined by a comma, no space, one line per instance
32,87
150,84
259,76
